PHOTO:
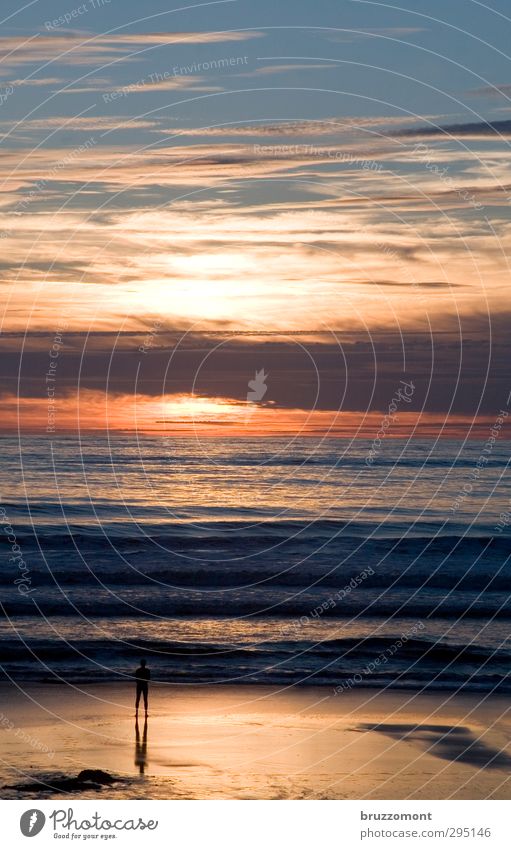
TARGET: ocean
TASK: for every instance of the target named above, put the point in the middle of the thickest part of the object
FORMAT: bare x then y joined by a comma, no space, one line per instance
243,561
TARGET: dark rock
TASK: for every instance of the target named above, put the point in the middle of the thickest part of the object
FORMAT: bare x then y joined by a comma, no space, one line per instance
96,775
87,779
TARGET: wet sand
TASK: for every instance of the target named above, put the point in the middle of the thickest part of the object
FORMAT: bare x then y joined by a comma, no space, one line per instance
256,743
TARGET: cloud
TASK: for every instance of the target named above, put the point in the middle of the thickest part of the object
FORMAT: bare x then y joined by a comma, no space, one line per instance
475,130
190,415
144,85
301,265
492,90
194,83
81,123
180,165
292,128
351,35
370,240
322,241
457,374
84,49
269,70
42,81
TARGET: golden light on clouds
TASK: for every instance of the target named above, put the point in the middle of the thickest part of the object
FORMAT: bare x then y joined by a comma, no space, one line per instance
114,218
193,416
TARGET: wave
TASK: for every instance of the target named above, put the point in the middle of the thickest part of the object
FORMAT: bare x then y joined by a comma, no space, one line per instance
266,459
326,581
361,649
342,663
94,600
258,530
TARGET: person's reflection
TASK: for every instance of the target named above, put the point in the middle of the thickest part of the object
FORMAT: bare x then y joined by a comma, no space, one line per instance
141,747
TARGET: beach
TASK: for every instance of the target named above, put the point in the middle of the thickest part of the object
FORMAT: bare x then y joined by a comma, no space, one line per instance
254,742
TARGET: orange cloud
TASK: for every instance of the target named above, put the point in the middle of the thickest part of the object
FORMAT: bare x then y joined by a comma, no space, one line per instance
187,415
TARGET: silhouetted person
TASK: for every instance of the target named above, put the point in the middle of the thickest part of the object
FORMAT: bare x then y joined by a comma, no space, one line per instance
141,747
142,676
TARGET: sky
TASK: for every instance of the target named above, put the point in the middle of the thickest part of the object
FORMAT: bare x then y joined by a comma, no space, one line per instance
319,191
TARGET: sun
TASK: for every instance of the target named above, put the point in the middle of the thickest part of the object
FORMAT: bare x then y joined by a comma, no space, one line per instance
191,409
